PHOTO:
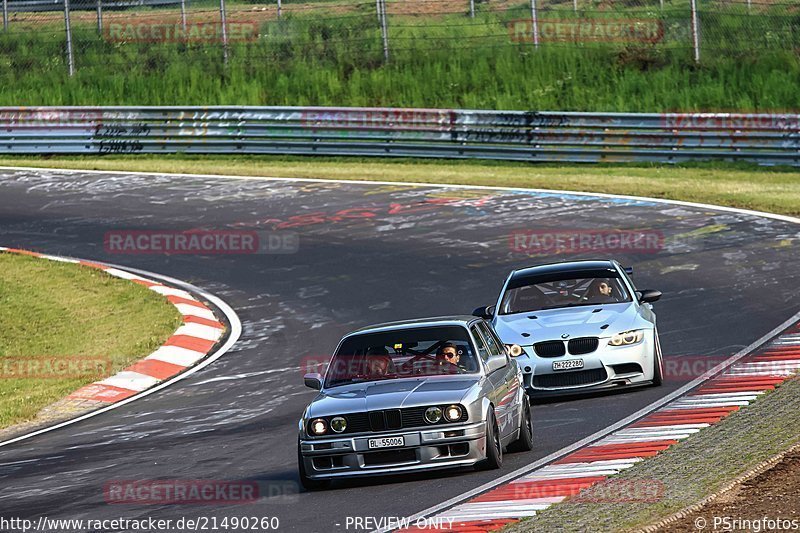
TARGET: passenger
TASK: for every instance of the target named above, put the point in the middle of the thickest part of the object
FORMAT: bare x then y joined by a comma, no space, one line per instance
379,364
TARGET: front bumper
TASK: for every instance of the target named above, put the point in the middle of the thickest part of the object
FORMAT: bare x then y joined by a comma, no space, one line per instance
428,449
608,367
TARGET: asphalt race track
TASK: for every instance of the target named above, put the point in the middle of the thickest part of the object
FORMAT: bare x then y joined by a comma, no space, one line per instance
367,253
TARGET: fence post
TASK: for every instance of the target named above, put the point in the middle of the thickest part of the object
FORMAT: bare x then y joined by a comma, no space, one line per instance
279,9
5,15
100,16
70,58
575,5
183,17
535,24
224,31
472,9
695,32
384,30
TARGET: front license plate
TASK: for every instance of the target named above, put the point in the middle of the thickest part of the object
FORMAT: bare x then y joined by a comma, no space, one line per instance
570,364
387,442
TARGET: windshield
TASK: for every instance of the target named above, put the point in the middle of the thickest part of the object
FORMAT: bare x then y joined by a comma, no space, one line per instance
402,353
532,294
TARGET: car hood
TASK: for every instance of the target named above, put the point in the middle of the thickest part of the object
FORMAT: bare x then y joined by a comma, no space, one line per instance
550,324
391,394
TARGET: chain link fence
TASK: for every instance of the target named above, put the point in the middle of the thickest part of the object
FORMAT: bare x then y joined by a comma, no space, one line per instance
59,35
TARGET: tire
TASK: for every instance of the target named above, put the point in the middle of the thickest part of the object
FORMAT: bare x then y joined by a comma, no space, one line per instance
308,483
658,363
525,441
494,448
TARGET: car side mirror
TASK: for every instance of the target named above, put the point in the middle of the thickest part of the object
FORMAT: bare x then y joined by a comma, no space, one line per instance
486,312
496,362
313,381
649,296
628,270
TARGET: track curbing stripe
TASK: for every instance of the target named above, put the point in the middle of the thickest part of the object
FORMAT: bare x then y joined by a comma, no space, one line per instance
192,342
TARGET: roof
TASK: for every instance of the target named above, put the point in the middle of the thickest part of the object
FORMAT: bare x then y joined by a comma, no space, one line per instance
453,320
562,267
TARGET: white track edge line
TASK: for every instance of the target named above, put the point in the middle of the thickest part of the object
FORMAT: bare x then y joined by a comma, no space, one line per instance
603,432
235,333
764,214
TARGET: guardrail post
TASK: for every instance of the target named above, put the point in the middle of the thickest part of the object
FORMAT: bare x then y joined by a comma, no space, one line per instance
183,17
695,32
384,30
5,15
70,58
534,24
224,31
100,16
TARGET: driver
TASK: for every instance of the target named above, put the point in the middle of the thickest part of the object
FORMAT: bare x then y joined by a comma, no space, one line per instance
448,355
601,290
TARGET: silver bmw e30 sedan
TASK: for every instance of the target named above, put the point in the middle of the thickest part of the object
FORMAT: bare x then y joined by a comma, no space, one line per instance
578,326
416,395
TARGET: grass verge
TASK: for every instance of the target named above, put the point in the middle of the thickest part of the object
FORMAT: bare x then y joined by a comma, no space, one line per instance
774,190
331,53
688,472
56,314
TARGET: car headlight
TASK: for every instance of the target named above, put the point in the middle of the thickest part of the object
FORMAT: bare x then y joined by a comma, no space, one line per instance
338,424
319,426
627,337
433,415
452,413
514,350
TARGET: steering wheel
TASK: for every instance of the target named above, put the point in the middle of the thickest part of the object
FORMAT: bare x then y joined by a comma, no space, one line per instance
409,365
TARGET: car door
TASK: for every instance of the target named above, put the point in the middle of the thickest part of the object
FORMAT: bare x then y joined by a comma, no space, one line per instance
504,405
492,390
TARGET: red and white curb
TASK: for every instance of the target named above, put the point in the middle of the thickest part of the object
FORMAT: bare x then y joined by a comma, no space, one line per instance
702,406
193,342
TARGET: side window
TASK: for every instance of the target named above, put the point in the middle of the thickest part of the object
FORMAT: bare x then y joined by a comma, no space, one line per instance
496,338
494,347
627,277
480,344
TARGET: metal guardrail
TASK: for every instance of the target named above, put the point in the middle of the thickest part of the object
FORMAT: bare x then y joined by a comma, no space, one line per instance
765,139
